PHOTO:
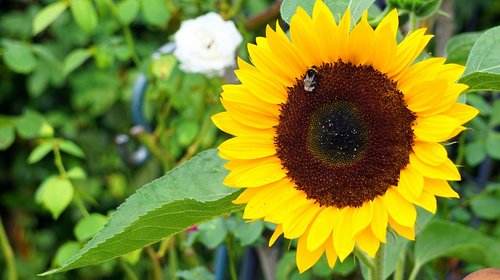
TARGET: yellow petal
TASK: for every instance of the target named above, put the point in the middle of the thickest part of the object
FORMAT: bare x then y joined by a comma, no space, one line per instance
430,153
245,196
421,71
384,49
427,201
436,128
361,217
297,224
225,122
446,170
368,242
256,173
284,51
277,232
263,60
423,95
261,86
392,20
439,188
379,219
411,181
303,37
325,27
248,147
451,72
331,254
400,209
462,112
305,258
255,208
406,232
408,50
342,233
249,115
288,208
360,40
343,34
321,228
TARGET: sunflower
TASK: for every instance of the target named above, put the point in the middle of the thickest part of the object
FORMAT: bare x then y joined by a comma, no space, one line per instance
338,132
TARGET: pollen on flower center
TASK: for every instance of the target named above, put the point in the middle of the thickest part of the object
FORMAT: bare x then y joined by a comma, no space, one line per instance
345,142
337,134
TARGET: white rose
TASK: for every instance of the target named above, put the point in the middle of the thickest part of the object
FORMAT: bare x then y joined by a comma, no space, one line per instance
207,44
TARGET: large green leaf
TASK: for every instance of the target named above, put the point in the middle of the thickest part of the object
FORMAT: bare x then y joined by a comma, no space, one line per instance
47,15
482,71
338,7
443,238
188,195
459,47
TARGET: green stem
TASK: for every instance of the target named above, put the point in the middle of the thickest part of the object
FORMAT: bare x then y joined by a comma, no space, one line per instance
367,261
377,273
193,148
157,272
128,271
413,22
400,265
126,32
414,272
173,259
232,261
8,254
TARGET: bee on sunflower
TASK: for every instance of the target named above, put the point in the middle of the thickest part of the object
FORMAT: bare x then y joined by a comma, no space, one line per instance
337,156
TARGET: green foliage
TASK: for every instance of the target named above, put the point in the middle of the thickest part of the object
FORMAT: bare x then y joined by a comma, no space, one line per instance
482,71
186,196
338,8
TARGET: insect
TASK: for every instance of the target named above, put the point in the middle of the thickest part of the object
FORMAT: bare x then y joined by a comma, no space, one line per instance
310,79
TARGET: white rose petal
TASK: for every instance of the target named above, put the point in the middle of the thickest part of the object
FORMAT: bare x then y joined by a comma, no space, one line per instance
207,44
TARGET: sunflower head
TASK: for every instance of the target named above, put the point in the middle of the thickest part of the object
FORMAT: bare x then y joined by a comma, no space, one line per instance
337,132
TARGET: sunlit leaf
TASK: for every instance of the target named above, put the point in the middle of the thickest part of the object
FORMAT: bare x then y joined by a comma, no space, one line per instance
188,195
47,15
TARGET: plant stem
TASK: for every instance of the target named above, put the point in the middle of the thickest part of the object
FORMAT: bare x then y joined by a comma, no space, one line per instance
377,273
8,254
413,22
157,272
173,259
414,272
364,258
128,271
400,265
232,261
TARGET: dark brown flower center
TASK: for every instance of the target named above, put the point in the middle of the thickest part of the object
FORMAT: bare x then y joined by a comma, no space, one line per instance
345,141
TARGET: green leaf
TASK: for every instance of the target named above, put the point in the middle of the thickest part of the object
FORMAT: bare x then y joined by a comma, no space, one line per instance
47,15
18,57
71,148
338,8
188,195
479,102
492,145
127,11
40,151
84,14
65,252
155,12
75,59
89,226
55,194
482,71
186,132
7,136
459,47
162,67
427,7
213,232
495,114
248,233
474,153
485,206
443,238
32,124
